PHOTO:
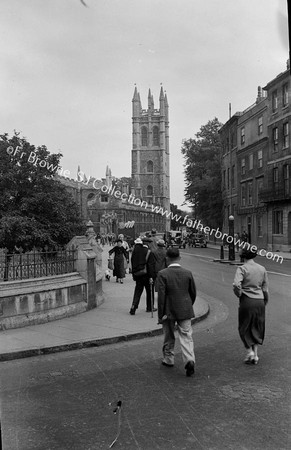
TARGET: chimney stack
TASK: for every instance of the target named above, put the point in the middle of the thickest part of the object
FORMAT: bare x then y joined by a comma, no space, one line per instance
260,94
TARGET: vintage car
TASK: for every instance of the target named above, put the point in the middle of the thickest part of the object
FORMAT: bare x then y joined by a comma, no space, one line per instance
200,240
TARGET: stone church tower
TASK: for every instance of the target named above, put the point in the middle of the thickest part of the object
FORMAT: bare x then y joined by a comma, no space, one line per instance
150,150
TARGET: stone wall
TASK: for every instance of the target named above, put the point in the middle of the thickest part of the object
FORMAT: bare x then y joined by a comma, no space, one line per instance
40,300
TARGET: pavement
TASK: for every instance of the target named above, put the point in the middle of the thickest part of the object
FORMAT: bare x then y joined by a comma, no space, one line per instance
107,324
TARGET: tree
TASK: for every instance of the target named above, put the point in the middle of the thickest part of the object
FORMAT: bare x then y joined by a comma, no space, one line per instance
176,214
203,174
35,209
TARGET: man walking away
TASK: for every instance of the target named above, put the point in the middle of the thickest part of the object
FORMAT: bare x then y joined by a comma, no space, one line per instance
176,296
142,260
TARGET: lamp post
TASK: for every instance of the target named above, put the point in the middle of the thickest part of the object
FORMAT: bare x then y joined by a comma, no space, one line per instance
231,253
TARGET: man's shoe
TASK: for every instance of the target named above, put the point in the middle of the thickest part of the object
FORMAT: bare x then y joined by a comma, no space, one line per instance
167,365
132,311
190,368
149,310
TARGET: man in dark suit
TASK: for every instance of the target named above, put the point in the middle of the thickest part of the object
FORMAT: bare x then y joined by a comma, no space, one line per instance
176,296
142,257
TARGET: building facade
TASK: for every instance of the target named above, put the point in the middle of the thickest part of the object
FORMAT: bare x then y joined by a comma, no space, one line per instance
277,188
228,136
251,170
256,168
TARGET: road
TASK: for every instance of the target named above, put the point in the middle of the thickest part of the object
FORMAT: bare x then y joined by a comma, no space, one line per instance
67,400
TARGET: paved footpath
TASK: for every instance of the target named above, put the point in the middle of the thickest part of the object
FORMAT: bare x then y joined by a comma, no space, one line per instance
107,324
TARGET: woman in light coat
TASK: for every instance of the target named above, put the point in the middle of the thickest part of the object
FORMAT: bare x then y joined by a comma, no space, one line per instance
251,287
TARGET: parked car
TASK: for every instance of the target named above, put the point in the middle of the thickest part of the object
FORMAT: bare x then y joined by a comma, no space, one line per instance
200,240
181,241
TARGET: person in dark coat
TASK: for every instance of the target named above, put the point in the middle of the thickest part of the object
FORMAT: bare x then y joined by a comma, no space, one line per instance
142,257
251,287
119,254
160,255
126,246
176,296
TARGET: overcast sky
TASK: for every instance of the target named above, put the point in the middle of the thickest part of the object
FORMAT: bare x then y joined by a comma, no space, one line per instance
67,72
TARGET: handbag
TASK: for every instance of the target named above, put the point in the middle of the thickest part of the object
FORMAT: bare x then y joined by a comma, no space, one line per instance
110,263
142,271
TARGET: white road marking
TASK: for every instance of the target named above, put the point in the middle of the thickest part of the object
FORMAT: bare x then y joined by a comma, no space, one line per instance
278,273
200,256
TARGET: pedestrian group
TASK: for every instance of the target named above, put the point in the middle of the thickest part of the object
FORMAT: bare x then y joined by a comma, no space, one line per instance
171,291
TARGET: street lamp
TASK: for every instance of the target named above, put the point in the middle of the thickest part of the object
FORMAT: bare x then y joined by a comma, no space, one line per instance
231,253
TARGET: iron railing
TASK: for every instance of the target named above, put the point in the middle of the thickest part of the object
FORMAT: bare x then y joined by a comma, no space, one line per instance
35,264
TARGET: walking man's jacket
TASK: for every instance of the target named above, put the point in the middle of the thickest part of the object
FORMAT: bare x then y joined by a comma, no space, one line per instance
176,293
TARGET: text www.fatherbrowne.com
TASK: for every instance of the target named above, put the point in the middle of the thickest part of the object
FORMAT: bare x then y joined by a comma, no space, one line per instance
189,223
130,198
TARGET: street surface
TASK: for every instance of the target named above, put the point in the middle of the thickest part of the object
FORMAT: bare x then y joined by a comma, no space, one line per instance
67,400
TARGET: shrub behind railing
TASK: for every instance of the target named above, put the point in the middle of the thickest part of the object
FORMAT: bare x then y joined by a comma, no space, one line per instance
35,264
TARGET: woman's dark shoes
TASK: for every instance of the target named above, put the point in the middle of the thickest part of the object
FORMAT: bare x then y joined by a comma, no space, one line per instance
132,311
190,368
121,281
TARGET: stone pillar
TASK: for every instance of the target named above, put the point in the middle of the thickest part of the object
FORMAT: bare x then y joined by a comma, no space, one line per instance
87,267
91,279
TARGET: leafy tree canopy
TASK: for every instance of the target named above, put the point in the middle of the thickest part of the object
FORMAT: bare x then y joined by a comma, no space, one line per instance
176,214
203,174
36,210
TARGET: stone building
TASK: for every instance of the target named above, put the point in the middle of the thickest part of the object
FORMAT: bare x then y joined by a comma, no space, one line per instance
276,193
130,204
256,167
228,136
150,150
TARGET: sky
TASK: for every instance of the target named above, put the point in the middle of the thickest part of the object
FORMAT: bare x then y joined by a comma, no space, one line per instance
68,71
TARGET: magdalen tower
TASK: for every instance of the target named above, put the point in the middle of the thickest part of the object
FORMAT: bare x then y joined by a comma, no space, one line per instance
150,150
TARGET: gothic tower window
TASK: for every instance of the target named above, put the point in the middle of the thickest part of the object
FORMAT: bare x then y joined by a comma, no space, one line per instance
156,136
149,190
144,137
150,166
104,198
90,197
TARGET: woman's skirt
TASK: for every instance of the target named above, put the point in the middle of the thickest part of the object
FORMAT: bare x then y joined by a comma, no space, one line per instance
119,270
251,320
